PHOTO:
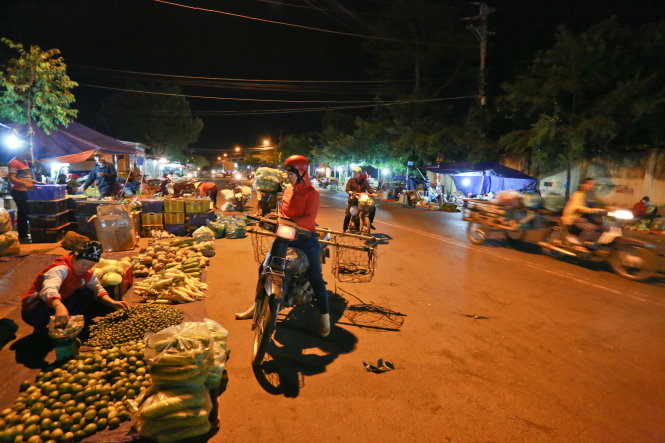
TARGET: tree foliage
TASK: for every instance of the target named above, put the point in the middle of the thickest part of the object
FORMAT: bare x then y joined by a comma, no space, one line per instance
162,121
593,93
36,88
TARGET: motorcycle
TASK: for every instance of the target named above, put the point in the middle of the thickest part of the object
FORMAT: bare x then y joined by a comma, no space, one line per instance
282,283
240,200
631,258
361,204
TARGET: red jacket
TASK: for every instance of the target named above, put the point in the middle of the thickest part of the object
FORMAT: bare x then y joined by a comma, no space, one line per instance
640,209
70,284
300,203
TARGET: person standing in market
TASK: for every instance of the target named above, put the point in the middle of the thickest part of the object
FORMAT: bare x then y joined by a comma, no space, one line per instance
20,177
105,174
67,287
357,184
208,189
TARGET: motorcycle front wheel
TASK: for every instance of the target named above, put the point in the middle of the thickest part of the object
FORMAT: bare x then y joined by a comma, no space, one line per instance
475,233
266,312
633,262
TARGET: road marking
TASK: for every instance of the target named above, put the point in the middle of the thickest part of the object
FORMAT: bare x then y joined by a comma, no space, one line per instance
633,295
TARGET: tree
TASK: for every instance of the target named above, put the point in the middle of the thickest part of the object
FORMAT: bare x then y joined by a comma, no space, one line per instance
591,94
162,121
36,90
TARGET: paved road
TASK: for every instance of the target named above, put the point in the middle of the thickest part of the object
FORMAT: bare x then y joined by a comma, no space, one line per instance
490,344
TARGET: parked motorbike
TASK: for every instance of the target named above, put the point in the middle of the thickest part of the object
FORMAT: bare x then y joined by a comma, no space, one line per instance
282,284
631,258
240,200
361,204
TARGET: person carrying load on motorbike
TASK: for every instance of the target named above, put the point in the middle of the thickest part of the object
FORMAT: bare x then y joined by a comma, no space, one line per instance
208,189
580,212
357,184
300,203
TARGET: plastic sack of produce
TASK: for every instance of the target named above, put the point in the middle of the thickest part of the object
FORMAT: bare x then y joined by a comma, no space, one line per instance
175,415
235,227
9,244
180,355
5,221
221,353
554,202
509,198
206,248
203,234
246,191
227,194
217,227
92,192
269,179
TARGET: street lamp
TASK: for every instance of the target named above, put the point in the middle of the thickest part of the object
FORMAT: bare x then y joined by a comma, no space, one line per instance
12,141
266,142
225,154
219,158
237,148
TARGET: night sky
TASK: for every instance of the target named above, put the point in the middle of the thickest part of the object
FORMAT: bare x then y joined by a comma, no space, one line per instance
147,36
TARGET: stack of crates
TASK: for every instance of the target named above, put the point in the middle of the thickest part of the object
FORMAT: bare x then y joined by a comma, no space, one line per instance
174,216
49,213
84,210
198,212
152,215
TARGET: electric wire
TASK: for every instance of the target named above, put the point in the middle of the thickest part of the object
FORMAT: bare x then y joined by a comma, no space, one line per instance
310,28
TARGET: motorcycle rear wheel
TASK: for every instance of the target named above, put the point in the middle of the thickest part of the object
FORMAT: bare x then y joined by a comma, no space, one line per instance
266,309
633,262
475,233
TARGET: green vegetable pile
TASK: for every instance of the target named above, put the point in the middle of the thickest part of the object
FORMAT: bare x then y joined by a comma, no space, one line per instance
87,394
122,326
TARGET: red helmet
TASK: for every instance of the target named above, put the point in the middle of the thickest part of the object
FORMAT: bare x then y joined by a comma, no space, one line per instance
297,164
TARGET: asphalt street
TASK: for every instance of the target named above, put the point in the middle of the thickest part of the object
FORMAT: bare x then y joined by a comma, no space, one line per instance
490,343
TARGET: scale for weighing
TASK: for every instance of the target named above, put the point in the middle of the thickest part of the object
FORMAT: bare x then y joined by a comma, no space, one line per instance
64,332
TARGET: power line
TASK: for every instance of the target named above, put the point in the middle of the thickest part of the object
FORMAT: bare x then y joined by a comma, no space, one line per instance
311,28
224,98
311,109
235,79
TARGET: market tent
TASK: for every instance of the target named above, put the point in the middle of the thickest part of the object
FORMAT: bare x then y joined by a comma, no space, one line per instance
483,177
73,144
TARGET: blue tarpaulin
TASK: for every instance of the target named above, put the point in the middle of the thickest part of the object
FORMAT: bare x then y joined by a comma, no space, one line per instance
482,177
72,144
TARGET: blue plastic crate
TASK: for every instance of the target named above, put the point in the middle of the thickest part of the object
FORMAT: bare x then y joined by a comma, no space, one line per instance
199,218
179,230
48,192
152,205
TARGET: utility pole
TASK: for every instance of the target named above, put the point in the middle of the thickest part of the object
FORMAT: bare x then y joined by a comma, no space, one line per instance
480,31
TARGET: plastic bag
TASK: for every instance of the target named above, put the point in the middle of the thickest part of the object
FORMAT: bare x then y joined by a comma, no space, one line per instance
69,328
269,179
220,353
172,409
5,221
219,228
227,194
235,227
180,355
203,234
92,192
9,244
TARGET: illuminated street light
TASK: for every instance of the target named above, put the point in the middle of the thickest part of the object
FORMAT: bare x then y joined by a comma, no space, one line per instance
219,158
237,148
12,141
385,171
225,154
266,142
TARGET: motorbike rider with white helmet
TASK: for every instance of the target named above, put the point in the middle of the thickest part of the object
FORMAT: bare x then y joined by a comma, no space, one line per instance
357,184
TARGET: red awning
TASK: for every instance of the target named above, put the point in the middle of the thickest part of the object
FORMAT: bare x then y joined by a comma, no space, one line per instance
73,158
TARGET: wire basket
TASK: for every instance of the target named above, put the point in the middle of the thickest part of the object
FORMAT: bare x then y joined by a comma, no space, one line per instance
261,242
355,259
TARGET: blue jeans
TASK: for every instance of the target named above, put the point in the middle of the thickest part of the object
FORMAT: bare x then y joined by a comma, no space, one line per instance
309,244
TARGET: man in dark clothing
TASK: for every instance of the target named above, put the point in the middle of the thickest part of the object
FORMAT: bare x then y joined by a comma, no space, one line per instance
357,184
105,174
20,177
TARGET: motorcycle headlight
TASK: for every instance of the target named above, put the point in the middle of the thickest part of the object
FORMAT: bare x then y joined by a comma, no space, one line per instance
622,214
